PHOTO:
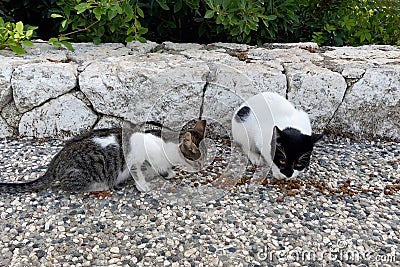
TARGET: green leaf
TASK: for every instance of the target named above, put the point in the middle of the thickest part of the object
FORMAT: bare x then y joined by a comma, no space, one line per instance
81,7
29,33
163,4
54,16
100,31
17,49
209,14
96,40
64,23
141,39
140,12
137,24
56,43
27,43
129,39
143,30
226,3
64,38
271,17
178,6
69,46
111,14
19,26
129,13
97,13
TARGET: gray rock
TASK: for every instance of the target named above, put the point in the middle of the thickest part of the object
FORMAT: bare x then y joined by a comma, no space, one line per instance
318,91
165,88
62,117
5,129
109,122
5,82
36,83
11,114
141,48
372,105
353,73
365,56
181,46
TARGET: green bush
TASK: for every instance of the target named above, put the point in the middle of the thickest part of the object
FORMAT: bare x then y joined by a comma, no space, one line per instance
177,20
31,12
355,22
255,21
100,20
327,22
14,35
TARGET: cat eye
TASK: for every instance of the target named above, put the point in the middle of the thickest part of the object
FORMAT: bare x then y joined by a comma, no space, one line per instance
282,161
298,165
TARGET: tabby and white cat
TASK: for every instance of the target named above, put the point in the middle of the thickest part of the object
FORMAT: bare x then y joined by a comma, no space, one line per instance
95,160
272,131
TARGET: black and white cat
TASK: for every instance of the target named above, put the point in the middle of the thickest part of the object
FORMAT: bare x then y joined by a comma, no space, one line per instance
103,159
271,131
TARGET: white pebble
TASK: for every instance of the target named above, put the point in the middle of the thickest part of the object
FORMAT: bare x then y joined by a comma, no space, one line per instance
114,250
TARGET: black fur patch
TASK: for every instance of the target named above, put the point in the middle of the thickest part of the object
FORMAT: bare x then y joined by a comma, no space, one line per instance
242,114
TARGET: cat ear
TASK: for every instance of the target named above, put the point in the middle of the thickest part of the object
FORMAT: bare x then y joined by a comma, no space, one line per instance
277,132
316,137
200,127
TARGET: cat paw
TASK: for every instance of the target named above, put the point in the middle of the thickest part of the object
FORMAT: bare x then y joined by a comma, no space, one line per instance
143,187
255,159
171,174
120,186
167,174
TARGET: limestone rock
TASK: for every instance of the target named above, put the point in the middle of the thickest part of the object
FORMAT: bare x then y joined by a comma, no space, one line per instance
353,73
141,48
11,114
5,129
231,46
372,105
295,55
36,83
318,91
164,88
368,55
181,46
5,83
85,53
109,122
303,45
61,117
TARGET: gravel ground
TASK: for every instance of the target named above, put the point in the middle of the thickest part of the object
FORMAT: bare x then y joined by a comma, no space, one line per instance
343,212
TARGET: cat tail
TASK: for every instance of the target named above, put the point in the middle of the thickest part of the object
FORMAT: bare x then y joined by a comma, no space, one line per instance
39,184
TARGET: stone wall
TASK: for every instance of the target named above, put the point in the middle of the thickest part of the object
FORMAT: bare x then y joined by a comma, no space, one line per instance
54,92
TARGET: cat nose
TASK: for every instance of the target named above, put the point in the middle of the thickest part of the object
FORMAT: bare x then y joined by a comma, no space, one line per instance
287,172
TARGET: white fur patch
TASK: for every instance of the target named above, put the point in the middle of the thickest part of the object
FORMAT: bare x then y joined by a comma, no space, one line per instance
105,141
